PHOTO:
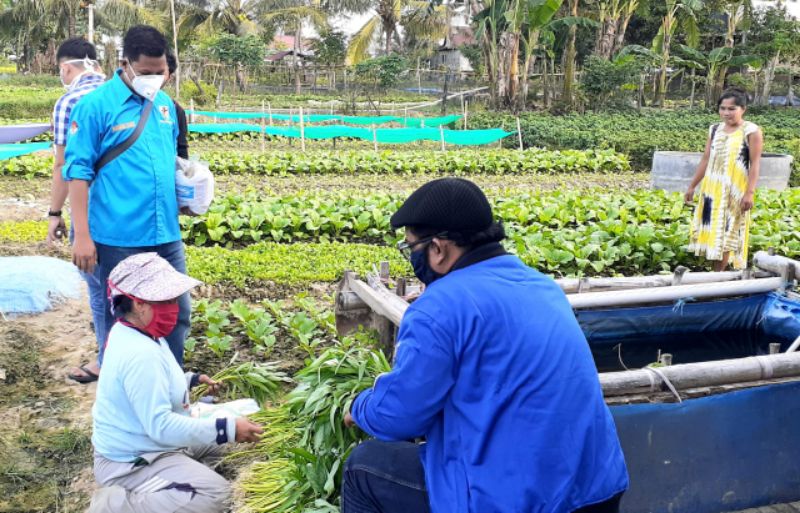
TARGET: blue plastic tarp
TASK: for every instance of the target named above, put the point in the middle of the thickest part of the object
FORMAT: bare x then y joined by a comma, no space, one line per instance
32,284
8,151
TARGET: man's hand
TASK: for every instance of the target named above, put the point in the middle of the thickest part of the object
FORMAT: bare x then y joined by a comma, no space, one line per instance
84,254
747,201
247,431
56,229
213,386
348,420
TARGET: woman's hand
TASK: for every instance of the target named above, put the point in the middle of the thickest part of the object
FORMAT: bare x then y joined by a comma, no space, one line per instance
247,430
747,201
213,386
689,196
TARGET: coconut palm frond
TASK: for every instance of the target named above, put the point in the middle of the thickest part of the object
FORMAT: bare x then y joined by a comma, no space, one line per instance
358,48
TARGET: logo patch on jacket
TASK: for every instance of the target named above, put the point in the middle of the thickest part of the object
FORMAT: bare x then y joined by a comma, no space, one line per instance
165,113
73,128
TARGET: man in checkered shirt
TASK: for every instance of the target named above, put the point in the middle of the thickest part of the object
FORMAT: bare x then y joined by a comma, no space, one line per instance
80,75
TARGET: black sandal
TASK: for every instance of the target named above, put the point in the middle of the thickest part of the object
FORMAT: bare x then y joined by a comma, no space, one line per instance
90,376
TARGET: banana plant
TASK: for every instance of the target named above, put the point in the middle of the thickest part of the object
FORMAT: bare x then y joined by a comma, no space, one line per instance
681,12
715,63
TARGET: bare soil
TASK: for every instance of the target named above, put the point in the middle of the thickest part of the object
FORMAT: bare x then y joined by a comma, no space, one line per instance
45,418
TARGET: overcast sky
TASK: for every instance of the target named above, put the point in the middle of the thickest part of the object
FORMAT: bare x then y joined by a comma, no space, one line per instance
793,6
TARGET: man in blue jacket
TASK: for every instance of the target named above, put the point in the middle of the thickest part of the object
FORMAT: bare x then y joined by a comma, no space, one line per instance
127,206
494,371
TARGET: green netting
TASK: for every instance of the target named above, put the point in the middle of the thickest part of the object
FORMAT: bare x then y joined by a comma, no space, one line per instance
322,118
381,135
8,151
224,128
428,122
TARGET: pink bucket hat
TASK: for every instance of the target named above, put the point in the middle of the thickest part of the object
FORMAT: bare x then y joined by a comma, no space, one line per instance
148,277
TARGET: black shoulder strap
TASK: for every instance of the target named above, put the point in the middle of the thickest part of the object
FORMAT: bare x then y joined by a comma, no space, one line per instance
714,128
116,151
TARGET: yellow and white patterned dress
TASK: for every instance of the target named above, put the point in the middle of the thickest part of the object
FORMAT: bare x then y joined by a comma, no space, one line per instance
719,225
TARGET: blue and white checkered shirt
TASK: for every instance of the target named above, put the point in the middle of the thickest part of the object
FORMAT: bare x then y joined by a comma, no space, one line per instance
86,84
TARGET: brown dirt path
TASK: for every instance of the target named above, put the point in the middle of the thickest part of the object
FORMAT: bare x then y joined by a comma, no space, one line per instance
45,418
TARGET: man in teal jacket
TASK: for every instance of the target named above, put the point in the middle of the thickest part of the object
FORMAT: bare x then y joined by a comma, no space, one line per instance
493,370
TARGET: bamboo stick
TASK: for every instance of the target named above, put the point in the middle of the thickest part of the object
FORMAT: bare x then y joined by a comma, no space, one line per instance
374,139
519,133
674,293
269,107
571,285
441,136
302,132
775,263
466,114
702,374
191,106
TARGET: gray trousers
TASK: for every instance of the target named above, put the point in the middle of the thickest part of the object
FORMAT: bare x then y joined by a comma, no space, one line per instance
169,482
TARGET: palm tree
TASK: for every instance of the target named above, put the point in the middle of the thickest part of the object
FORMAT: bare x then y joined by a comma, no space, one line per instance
294,14
231,16
37,25
417,17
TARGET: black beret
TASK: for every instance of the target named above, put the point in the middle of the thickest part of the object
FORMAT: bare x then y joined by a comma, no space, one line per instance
447,204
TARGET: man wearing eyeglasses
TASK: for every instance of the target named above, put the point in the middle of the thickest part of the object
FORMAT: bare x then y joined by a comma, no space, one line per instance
493,370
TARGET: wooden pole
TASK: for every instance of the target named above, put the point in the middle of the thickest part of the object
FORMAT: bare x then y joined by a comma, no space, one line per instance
374,139
302,132
466,113
263,128
519,134
191,106
441,136
174,47
269,107
331,107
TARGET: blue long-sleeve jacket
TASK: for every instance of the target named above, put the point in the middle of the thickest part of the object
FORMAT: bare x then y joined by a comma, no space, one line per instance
494,370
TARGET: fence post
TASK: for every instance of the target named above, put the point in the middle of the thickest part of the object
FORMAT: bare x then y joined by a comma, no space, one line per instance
191,106
263,127
441,136
302,132
466,113
519,133
374,138
269,106
419,79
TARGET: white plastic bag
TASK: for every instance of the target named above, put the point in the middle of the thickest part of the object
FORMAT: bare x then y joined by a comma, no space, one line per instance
238,408
194,185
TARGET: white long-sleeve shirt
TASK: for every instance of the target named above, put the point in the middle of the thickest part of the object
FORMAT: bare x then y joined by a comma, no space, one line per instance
142,402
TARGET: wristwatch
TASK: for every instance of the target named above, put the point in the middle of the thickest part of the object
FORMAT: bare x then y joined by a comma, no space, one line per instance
53,213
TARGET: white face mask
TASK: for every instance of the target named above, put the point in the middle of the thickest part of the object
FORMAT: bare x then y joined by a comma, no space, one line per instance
88,67
146,85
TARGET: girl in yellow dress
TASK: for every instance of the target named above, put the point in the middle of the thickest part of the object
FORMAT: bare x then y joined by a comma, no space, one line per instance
729,173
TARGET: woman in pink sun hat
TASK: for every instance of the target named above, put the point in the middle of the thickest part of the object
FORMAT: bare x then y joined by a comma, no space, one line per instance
150,454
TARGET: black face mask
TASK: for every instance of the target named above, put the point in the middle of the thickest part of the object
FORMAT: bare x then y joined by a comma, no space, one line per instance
422,270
